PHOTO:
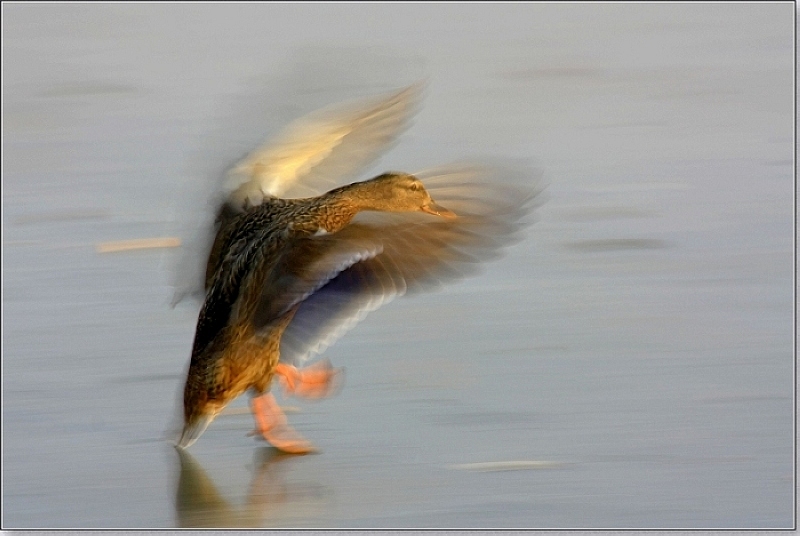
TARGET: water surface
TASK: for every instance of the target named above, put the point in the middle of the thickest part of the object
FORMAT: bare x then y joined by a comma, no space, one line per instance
628,364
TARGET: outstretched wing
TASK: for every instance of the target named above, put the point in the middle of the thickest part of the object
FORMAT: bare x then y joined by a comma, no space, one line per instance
309,157
381,256
314,153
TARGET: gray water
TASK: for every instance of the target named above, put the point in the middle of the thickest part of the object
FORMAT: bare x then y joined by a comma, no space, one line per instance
633,355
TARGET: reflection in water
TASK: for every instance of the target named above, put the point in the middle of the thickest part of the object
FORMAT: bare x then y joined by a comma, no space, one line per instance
269,499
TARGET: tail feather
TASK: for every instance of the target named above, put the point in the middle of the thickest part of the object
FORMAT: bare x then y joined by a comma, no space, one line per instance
193,430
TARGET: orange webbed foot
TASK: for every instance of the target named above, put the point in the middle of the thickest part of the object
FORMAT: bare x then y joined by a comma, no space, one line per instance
271,423
319,380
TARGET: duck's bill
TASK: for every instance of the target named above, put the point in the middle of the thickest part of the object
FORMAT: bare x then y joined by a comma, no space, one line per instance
438,210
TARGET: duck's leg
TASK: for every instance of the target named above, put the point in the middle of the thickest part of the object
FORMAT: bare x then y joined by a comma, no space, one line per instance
272,425
316,381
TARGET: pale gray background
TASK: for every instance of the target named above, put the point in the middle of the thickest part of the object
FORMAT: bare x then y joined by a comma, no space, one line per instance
640,338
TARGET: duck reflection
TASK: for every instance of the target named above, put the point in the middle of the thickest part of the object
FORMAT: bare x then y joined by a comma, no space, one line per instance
269,499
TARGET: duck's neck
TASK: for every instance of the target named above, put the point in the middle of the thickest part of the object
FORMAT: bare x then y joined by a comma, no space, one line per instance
359,196
333,210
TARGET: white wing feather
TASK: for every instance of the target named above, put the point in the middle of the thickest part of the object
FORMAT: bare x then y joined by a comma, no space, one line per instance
314,153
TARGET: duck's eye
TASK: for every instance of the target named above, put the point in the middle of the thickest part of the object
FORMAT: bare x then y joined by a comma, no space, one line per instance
416,187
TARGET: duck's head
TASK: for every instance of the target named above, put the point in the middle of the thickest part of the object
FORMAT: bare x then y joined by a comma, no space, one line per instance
401,192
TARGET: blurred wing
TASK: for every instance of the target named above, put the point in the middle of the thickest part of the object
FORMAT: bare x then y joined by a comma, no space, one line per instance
309,157
326,315
314,153
406,252
307,266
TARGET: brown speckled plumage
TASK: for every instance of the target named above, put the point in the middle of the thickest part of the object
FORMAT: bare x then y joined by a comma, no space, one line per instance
285,277
237,341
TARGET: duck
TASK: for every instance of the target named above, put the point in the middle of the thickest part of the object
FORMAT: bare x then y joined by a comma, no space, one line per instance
287,274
